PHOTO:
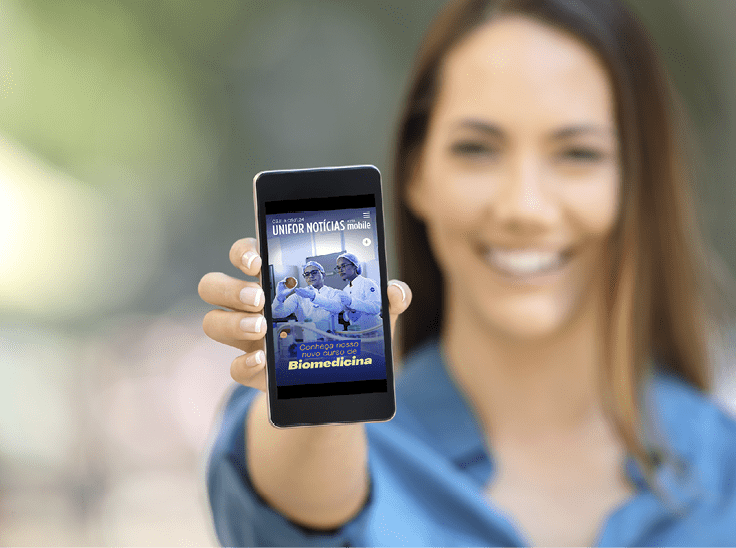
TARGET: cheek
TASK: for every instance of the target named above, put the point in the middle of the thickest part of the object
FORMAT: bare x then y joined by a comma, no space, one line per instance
452,200
594,206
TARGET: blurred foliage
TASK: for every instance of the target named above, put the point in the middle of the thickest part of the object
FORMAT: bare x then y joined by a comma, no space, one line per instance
163,111
111,83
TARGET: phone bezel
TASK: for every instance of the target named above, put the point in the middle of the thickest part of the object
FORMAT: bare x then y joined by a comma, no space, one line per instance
326,182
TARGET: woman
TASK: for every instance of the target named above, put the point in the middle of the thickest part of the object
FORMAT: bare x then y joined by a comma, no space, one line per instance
552,392
362,297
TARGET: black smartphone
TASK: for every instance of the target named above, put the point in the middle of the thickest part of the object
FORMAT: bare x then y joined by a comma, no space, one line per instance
328,345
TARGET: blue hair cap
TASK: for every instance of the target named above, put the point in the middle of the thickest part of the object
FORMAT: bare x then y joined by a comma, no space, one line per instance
315,264
353,259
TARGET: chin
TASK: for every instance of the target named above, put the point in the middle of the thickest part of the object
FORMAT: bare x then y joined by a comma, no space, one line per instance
528,329
528,321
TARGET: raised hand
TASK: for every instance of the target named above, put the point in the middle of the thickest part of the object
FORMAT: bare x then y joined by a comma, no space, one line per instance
306,292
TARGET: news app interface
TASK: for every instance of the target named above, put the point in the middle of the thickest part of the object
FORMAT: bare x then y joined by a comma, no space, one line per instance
326,296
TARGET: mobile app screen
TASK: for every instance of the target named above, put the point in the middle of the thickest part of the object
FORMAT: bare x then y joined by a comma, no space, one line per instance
323,262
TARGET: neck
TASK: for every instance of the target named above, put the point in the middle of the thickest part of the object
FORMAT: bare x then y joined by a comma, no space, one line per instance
317,286
527,389
350,280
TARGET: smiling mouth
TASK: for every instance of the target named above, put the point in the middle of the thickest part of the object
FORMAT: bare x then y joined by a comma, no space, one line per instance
523,263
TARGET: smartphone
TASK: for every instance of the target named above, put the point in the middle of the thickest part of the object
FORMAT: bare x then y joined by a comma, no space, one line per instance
328,344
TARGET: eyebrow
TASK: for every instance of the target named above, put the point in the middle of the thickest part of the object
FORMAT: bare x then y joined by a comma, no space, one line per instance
484,127
576,130
494,130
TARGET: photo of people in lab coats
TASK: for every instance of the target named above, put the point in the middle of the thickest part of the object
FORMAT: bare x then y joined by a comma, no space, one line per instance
316,301
361,297
325,293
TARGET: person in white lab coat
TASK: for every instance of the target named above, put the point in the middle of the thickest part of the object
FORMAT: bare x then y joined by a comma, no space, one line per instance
361,297
317,301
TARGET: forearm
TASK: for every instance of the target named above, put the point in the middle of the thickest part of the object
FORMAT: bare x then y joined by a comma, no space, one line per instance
331,305
369,307
315,476
282,309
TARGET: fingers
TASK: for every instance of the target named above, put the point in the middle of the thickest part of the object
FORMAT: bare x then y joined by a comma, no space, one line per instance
303,292
249,370
244,255
222,290
242,327
399,299
236,329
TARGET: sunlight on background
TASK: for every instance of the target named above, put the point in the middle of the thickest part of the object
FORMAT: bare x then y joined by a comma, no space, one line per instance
115,158
129,136
53,264
105,154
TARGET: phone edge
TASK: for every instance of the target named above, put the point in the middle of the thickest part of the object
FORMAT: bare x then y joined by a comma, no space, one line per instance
260,277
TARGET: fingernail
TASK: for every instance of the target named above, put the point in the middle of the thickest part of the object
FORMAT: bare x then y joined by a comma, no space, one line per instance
403,293
256,359
249,257
251,295
252,324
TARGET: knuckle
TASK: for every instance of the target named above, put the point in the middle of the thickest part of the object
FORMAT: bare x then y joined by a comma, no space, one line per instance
208,324
240,372
219,325
235,369
204,284
235,252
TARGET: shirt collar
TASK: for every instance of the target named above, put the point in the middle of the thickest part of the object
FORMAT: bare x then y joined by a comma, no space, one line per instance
450,425
446,416
680,425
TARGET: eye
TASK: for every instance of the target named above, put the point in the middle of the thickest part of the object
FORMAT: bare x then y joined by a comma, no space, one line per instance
582,155
469,148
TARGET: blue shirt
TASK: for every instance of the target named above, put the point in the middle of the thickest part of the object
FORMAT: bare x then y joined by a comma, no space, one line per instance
429,467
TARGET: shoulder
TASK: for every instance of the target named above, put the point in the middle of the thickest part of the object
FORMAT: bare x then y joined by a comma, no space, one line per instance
686,408
367,283
362,280
701,431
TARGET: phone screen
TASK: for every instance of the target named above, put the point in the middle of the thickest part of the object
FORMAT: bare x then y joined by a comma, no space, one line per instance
325,280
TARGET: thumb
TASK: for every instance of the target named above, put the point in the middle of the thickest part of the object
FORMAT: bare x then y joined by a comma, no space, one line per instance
399,299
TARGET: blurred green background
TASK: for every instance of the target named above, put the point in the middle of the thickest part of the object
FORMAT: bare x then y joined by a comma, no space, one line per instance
130,132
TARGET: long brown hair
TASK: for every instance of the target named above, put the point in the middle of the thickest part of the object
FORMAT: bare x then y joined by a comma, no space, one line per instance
660,298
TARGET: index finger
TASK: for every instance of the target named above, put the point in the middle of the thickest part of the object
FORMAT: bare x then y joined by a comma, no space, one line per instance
244,255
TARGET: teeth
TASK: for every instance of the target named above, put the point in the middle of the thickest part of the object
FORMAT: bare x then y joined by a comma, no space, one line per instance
522,263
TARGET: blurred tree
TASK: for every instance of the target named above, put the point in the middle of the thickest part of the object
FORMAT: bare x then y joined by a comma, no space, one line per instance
169,109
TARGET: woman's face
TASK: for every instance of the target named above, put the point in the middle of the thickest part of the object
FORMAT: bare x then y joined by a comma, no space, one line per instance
347,270
518,182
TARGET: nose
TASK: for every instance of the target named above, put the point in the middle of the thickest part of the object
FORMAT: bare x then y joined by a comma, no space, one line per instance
524,202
